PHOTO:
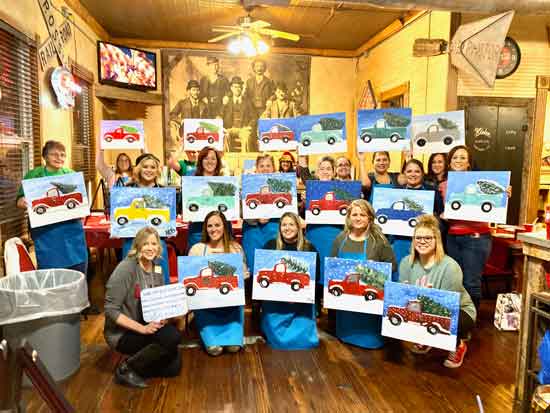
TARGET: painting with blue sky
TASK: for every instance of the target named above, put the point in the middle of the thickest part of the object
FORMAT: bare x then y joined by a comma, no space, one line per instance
122,134
477,196
136,208
327,201
383,130
268,195
278,134
421,315
212,281
398,209
202,194
59,198
284,276
322,134
437,132
355,285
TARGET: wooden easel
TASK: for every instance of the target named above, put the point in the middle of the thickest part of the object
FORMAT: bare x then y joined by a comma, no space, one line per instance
24,359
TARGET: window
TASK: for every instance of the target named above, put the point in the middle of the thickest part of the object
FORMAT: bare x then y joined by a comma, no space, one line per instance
83,145
19,126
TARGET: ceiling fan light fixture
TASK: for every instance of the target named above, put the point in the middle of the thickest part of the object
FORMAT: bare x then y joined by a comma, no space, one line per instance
247,46
234,46
262,47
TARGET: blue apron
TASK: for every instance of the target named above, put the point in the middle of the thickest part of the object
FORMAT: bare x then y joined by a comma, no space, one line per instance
220,326
359,329
322,237
256,236
60,245
162,261
401,246
194,234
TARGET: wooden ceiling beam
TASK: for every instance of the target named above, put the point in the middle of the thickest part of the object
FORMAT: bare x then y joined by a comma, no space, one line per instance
82,12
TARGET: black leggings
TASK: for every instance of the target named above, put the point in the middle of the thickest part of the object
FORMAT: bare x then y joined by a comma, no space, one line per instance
465,324
168,337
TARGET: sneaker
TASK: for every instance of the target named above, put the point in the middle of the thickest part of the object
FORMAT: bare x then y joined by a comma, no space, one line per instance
420,349
214,350
455,358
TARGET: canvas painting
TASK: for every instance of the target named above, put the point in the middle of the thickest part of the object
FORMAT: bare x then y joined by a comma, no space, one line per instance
198,133
284,276
421,315
327,201
268,195
438,132
122,134
477,196
383,130
135,208
355,285
52,199
202,194
212,281
398,209
322,134
278,134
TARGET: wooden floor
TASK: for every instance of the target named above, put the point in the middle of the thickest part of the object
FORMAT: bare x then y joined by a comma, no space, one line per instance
333,378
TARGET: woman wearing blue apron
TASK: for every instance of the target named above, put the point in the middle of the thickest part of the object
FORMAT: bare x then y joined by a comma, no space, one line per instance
414,175
220,328
323,235
290,326
63,244
146,173
361,239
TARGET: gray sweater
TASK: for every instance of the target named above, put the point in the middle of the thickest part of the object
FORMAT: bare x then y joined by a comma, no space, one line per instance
380,251
122,296
445,275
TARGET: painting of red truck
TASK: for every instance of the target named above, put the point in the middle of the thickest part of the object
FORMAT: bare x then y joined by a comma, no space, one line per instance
420,315
55,199
327,201
284,276
277,134
268,195
212,281
355,285
198,133
122,134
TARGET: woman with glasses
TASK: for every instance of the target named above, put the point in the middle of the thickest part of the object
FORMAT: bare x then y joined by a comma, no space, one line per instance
343,169
428,266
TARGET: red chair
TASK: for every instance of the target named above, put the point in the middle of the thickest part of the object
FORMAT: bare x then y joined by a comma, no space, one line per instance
498,266
172,263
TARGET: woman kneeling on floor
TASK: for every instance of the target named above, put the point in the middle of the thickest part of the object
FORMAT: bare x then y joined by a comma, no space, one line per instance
428,266
153,347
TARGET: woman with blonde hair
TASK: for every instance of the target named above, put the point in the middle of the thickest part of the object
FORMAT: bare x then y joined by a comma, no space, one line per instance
429,266
220,328
361,239
286,325
153,346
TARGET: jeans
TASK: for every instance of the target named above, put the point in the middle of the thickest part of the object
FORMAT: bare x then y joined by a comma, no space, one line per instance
471,253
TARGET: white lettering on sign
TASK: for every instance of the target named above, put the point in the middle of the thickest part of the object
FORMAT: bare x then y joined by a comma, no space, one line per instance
161,303
47,12
481,132
47,49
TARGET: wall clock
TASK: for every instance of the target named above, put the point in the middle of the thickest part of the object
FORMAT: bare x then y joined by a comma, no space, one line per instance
510,57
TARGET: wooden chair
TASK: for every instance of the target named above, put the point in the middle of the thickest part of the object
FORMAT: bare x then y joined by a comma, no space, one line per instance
498,267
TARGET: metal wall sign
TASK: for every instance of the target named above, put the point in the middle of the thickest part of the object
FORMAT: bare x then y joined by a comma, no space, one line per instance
47,12
47,50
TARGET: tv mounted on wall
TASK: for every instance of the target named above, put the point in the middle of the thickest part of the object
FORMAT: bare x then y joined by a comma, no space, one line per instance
126,67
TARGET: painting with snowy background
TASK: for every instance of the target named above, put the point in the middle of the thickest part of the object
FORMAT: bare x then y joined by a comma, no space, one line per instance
202,194
398,209
327,201
437,132
421,315
383,129
477,196
284,276
278,134
355,285
268,195
135,208
212,281
322,134
52,199
198,133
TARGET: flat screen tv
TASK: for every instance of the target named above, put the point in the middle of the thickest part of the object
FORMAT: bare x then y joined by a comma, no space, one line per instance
126,67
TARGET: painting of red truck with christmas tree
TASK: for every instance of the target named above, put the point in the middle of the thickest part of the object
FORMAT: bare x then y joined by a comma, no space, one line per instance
268,195
122,134
198,133
277,134
355,285
425,316
212,281
284,276
327,201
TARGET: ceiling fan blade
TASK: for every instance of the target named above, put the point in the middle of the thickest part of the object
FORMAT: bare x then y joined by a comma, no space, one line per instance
259,24
279,34
220,30
223,36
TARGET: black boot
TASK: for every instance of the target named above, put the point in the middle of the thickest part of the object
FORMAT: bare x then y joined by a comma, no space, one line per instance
125,375
143,361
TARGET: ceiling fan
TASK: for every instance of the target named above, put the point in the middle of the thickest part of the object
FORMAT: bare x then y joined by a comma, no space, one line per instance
251,29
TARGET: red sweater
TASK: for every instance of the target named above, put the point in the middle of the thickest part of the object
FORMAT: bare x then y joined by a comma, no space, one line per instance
459,226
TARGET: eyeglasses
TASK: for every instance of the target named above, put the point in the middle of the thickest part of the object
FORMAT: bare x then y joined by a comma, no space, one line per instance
426,239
